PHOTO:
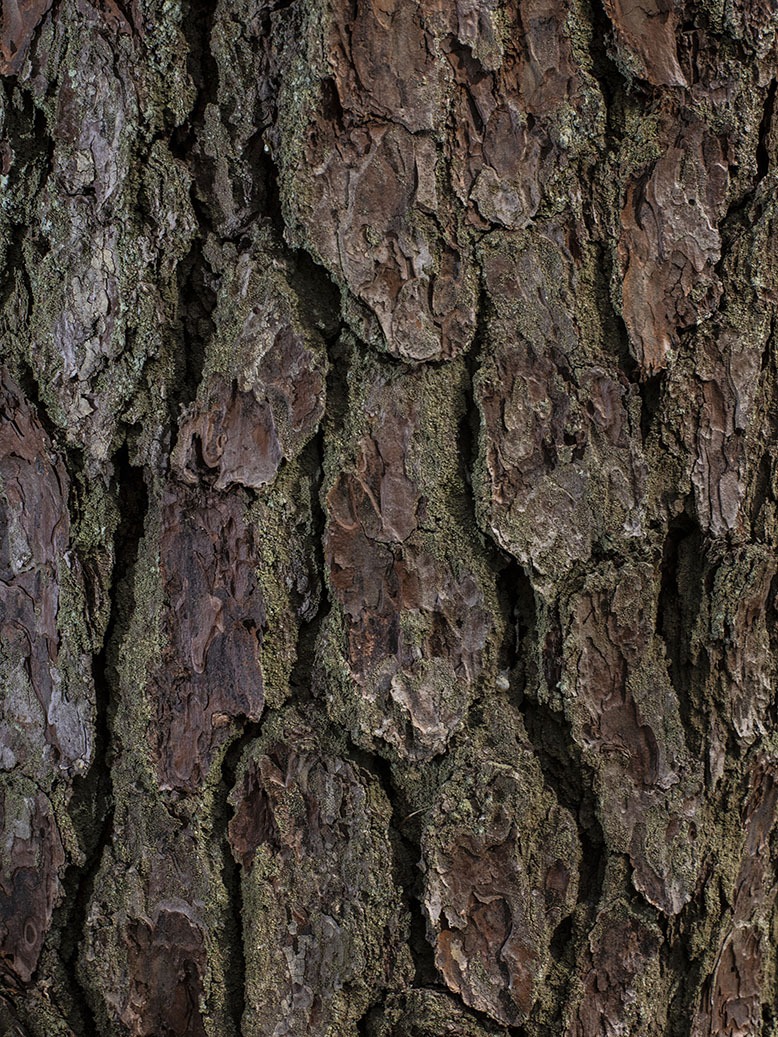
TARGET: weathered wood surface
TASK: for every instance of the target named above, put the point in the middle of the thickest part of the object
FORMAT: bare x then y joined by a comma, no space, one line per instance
388,484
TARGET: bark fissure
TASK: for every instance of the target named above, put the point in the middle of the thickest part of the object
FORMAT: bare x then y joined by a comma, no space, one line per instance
405,834
301,678
610,78
231,874
572,782
682,587
197,303
92,805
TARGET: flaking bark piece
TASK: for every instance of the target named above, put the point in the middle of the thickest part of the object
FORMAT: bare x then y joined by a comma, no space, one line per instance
166,962
619,985
731,998
209,675
32,862
646,32
46,689
241,430
669,243
151,961
501,858
360,163
323,922
625,716
407,645
560,465
20,19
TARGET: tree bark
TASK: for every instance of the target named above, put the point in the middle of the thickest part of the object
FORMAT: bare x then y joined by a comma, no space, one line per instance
388,483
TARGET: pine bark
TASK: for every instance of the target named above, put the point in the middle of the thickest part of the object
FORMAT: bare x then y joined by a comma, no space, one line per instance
388,484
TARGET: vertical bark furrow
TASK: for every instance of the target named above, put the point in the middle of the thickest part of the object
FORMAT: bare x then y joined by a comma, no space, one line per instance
92,805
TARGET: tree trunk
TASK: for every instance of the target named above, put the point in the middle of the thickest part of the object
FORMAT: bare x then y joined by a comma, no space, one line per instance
388,478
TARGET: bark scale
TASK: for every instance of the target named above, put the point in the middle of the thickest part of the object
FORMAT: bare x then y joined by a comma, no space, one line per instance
388,480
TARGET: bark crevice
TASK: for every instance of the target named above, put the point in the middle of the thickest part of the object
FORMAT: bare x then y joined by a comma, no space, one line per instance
681,592
223,813
92,804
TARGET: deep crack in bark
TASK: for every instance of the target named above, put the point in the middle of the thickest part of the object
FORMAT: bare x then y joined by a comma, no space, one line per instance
235,972
92,807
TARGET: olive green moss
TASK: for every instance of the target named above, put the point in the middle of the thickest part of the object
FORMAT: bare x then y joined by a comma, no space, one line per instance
445,535
342,894
427,1013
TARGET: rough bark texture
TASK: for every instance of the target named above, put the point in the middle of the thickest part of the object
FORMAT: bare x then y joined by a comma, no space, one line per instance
388,477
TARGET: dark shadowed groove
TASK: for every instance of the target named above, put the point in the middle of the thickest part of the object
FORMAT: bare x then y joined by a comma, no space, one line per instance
610,79
197,300
405,839
486,1020
744,210
312,458
512,583
197,287
92,806
650,403
772,632
311,462
517,601
197,26
235,963
762,485
301,678
572,781
616,340
9,1021
682,588
197,283
566,774
760,490
489,1025
690,971
470,424
320,301
33,149
614,330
